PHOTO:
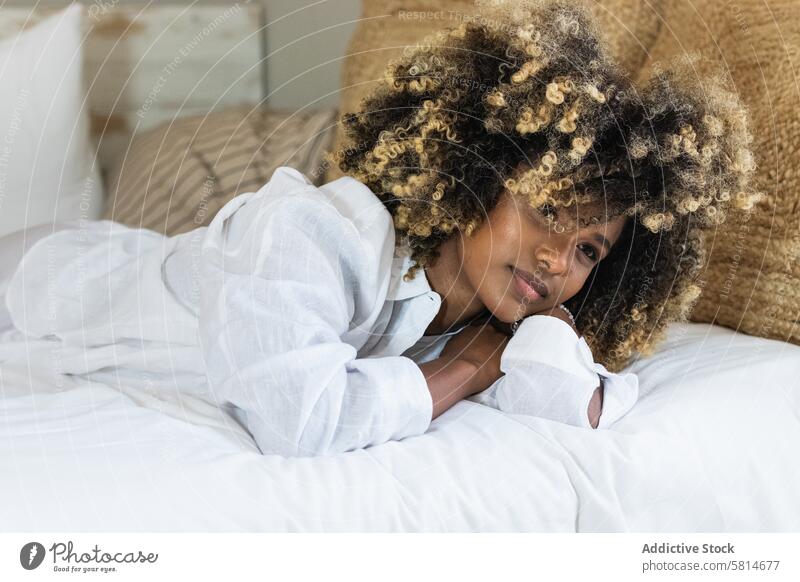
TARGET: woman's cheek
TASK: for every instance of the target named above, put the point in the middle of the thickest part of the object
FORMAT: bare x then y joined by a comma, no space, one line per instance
575,282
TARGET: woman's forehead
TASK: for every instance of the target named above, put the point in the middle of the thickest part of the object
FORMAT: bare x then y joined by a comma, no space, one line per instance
594,214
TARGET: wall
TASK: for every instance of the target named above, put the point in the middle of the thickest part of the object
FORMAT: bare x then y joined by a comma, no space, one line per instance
305,42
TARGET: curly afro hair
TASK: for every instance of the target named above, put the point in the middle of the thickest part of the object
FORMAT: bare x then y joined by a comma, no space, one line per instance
524,97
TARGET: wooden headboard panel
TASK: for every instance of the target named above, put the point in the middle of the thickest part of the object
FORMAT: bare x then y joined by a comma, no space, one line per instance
149,63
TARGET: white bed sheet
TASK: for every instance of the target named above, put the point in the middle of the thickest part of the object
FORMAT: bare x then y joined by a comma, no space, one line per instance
712,445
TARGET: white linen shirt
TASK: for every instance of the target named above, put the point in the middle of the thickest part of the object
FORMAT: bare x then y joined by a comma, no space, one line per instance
290,311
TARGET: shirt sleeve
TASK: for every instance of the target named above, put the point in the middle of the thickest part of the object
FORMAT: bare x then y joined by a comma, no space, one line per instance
549,372
278,296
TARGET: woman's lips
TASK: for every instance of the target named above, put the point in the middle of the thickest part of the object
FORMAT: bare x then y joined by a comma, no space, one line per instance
525,288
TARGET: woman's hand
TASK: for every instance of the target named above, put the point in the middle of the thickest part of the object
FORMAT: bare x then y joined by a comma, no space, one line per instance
482,345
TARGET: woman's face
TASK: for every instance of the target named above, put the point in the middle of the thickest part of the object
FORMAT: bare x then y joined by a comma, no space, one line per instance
516,244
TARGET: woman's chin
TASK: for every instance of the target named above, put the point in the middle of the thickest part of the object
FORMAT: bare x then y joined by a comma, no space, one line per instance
510,309
506,306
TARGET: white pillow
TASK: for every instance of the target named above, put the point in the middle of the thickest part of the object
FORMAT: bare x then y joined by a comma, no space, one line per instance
47,167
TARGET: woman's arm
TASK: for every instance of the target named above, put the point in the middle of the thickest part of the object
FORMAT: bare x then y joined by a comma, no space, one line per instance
450,381
549,372
280,278
596,403
469,363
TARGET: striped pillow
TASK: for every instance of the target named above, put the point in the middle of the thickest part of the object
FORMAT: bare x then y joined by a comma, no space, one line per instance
176,176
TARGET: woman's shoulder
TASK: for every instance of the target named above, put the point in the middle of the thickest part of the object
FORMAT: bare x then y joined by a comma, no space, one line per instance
343,203
344,216
340,227
352,199
349,196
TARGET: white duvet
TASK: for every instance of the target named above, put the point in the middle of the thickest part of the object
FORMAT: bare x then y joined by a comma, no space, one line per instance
712,445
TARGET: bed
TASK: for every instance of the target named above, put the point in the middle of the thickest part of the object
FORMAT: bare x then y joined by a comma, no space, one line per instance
712,444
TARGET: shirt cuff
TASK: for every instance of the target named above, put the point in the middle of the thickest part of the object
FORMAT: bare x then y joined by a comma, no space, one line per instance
407,404
620,393
549,340
551,373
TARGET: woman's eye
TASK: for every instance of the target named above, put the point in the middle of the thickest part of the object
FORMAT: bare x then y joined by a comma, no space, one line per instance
590,252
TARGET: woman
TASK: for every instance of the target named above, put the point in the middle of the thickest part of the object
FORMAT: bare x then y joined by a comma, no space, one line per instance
501,180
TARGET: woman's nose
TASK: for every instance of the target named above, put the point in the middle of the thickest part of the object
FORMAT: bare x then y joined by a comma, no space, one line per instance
554,256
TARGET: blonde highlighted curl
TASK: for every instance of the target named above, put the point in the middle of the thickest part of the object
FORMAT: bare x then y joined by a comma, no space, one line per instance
527,100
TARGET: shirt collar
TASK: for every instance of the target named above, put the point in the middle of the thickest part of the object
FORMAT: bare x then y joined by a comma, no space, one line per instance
419,286
399,289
